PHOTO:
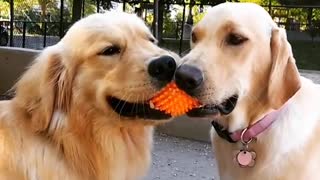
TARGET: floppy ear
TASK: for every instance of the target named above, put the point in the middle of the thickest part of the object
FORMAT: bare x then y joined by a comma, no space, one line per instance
45,90
56,87
284,79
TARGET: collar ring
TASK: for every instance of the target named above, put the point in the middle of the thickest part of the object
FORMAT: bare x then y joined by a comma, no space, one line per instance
243,141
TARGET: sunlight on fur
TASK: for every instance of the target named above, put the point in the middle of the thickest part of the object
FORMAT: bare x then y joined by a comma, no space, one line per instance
64,121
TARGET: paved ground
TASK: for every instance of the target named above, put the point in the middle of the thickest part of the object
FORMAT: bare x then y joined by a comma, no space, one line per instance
313,75
181,159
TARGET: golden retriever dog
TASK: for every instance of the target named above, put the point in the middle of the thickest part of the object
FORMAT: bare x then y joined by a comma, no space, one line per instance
266,116
80,112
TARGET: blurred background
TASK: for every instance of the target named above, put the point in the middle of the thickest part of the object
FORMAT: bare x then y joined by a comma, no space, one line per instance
37,24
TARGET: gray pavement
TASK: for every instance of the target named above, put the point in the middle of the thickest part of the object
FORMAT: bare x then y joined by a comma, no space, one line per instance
313,75
181,159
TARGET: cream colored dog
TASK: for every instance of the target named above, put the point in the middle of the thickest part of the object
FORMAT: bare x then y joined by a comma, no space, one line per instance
80,112
266,115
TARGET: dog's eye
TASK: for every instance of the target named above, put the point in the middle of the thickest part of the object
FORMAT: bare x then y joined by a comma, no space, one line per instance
193,37
235,39
153,40
111,50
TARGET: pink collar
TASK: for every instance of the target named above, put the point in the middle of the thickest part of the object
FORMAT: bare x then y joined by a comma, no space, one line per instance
254,130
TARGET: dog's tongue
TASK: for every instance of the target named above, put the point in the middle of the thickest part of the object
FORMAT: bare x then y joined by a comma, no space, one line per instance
173,101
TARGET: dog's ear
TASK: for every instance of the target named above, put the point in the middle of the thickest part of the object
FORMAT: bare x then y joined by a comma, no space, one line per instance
284,79
45,90
57,86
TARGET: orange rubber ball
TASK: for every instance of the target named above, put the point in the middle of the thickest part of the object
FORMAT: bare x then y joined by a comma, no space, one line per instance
173,101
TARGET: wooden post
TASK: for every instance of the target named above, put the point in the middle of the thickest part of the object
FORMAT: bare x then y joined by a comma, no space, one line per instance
182,27
270,8
61,18
11,21
156,19
83,5
98,6
124,6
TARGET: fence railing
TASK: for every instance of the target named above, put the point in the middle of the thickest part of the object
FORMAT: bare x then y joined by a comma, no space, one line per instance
37,35
34,35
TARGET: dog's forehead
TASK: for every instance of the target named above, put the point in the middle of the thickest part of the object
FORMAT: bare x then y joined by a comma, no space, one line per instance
248,15
110,27
110,21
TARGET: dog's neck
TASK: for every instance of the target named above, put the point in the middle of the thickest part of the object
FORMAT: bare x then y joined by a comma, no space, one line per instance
99,148
252,117
92,146
252,130
289,133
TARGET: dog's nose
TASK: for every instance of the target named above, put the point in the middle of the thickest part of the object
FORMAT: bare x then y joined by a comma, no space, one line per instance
162,68
188,77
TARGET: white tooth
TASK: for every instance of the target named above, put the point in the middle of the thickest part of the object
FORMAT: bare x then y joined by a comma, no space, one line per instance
151,105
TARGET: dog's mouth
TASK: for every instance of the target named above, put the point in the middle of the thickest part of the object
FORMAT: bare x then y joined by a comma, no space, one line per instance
140,110
224,108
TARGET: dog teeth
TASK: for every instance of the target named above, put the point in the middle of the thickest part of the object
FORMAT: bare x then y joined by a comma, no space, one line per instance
151,105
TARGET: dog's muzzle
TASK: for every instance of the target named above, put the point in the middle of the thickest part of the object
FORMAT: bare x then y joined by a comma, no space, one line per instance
225,108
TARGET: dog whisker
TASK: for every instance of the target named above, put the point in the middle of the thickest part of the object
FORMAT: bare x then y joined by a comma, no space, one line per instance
232,103
185,52
134,106
137,103
119,102
144,113
138,85
128,97
124,97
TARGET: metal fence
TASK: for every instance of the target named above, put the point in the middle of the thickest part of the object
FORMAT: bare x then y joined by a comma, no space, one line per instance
33,35
301,22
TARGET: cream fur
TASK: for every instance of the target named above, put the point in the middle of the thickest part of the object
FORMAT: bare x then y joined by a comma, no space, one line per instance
263,73
59,125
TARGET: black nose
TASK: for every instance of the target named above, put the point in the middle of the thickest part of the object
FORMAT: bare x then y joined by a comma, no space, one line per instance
188,77
162,68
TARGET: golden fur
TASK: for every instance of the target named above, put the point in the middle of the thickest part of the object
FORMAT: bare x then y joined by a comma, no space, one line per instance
59,126
262,72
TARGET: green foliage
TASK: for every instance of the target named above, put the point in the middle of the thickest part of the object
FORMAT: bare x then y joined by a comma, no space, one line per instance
4,9
205,2
262,2
89,8
299,2
197,15
149,19
48,10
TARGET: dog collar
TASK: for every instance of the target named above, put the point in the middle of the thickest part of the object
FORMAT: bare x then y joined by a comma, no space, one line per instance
246,156
252,131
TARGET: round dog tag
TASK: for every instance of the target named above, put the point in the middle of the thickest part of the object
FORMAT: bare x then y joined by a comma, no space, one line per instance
244,158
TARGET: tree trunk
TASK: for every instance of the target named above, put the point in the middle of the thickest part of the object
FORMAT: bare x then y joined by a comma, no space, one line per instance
160,20
190,16
310,16
43,6
76,10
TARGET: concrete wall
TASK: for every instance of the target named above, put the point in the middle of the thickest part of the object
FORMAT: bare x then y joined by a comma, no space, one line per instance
13,62
301,36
